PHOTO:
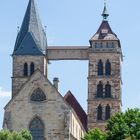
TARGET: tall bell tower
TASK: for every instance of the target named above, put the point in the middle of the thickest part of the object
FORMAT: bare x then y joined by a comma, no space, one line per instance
30,49
104,78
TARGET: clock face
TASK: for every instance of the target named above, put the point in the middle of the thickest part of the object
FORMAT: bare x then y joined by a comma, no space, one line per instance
104,31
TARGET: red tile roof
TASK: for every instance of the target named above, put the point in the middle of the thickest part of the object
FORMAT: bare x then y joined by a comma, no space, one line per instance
71,100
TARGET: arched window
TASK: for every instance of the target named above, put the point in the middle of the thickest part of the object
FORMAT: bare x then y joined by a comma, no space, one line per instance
107,68
25,71
100,68
36,128
107,112
100,90
38,95
99,112
32,68
108,90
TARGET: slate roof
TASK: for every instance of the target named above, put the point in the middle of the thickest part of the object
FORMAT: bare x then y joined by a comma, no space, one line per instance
31,39
105,25
104,32
71,100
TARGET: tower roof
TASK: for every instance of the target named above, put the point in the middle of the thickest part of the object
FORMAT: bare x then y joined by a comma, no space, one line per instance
31,39
104,32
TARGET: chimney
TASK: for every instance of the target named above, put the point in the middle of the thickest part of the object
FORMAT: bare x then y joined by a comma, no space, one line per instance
55,82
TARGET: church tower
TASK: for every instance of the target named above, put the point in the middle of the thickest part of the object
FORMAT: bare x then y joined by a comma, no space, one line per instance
104,80
29,53
36,103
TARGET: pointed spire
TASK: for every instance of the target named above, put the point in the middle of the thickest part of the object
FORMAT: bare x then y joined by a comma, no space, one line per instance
31,39
105,13
104,32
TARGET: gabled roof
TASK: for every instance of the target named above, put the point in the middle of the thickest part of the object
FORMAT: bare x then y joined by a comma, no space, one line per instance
71,100
104,32
37,75
32,28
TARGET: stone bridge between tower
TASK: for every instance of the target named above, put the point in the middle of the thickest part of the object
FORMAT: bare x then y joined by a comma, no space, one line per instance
67,53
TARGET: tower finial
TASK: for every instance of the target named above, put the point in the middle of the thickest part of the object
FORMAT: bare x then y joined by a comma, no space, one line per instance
105,13
18,29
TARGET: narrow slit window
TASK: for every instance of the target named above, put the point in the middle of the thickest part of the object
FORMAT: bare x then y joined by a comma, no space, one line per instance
32,68
100,68
107,112
108,68
99,112
100,90
25,71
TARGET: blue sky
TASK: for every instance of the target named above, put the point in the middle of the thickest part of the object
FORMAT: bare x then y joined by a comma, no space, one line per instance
73,22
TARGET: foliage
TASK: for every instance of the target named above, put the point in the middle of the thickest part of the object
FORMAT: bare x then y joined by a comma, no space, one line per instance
7,135
26,135
124,125
95,134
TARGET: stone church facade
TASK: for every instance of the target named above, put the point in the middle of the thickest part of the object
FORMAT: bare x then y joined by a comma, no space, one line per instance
36,103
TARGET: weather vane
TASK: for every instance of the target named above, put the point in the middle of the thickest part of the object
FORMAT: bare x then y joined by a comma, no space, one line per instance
105,13
18,28
45,29
105,1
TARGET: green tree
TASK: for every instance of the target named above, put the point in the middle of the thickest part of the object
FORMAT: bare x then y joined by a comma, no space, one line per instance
4,135
7,135
26,135
95,134
124,125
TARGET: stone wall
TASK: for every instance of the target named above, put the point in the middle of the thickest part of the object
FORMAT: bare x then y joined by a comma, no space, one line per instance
18,79
93,80
53,112
68,53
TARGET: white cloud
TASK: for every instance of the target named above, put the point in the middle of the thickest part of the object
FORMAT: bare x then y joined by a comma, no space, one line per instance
4,93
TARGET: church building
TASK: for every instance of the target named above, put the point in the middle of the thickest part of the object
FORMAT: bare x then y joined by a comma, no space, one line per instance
36,103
